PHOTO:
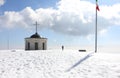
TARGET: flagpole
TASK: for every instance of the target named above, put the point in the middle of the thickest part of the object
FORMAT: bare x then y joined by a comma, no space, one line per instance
8,41
96,30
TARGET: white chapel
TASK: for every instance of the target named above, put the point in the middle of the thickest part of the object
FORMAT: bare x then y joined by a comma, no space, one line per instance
35,42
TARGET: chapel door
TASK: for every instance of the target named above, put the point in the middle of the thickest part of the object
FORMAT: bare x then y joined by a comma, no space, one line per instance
28,46
43,46
36,46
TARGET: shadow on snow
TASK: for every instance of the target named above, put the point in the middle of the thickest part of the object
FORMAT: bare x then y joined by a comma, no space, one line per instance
79,62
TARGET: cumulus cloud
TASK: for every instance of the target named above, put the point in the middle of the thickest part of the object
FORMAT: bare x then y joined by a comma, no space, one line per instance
73,17
2,2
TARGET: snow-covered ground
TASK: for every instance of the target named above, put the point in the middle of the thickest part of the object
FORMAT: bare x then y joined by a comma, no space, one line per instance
59,64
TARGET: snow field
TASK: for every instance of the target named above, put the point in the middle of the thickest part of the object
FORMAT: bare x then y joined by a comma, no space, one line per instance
58,64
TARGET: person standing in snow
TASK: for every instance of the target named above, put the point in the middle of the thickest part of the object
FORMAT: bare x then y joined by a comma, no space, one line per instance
62,47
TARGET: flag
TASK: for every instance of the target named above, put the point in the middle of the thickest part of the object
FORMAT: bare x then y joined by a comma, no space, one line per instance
97,7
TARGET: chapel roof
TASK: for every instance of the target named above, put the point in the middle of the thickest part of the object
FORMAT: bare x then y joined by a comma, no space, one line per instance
36,35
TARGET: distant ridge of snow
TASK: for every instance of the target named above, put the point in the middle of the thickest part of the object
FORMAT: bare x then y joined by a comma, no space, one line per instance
58,64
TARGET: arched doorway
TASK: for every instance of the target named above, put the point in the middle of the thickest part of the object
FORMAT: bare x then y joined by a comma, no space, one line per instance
28,46
43,46
36,46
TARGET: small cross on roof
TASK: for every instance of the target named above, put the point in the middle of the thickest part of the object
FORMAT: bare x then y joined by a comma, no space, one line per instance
36,24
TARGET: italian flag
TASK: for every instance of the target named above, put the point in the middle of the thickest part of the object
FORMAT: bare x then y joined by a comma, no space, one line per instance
97,7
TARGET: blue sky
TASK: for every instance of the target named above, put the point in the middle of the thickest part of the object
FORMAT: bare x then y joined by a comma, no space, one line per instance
63,22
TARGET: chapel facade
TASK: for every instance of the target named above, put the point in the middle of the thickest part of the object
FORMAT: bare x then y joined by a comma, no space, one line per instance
35,42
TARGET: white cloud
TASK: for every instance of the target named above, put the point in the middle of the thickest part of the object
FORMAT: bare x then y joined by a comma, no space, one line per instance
2,2
73,17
